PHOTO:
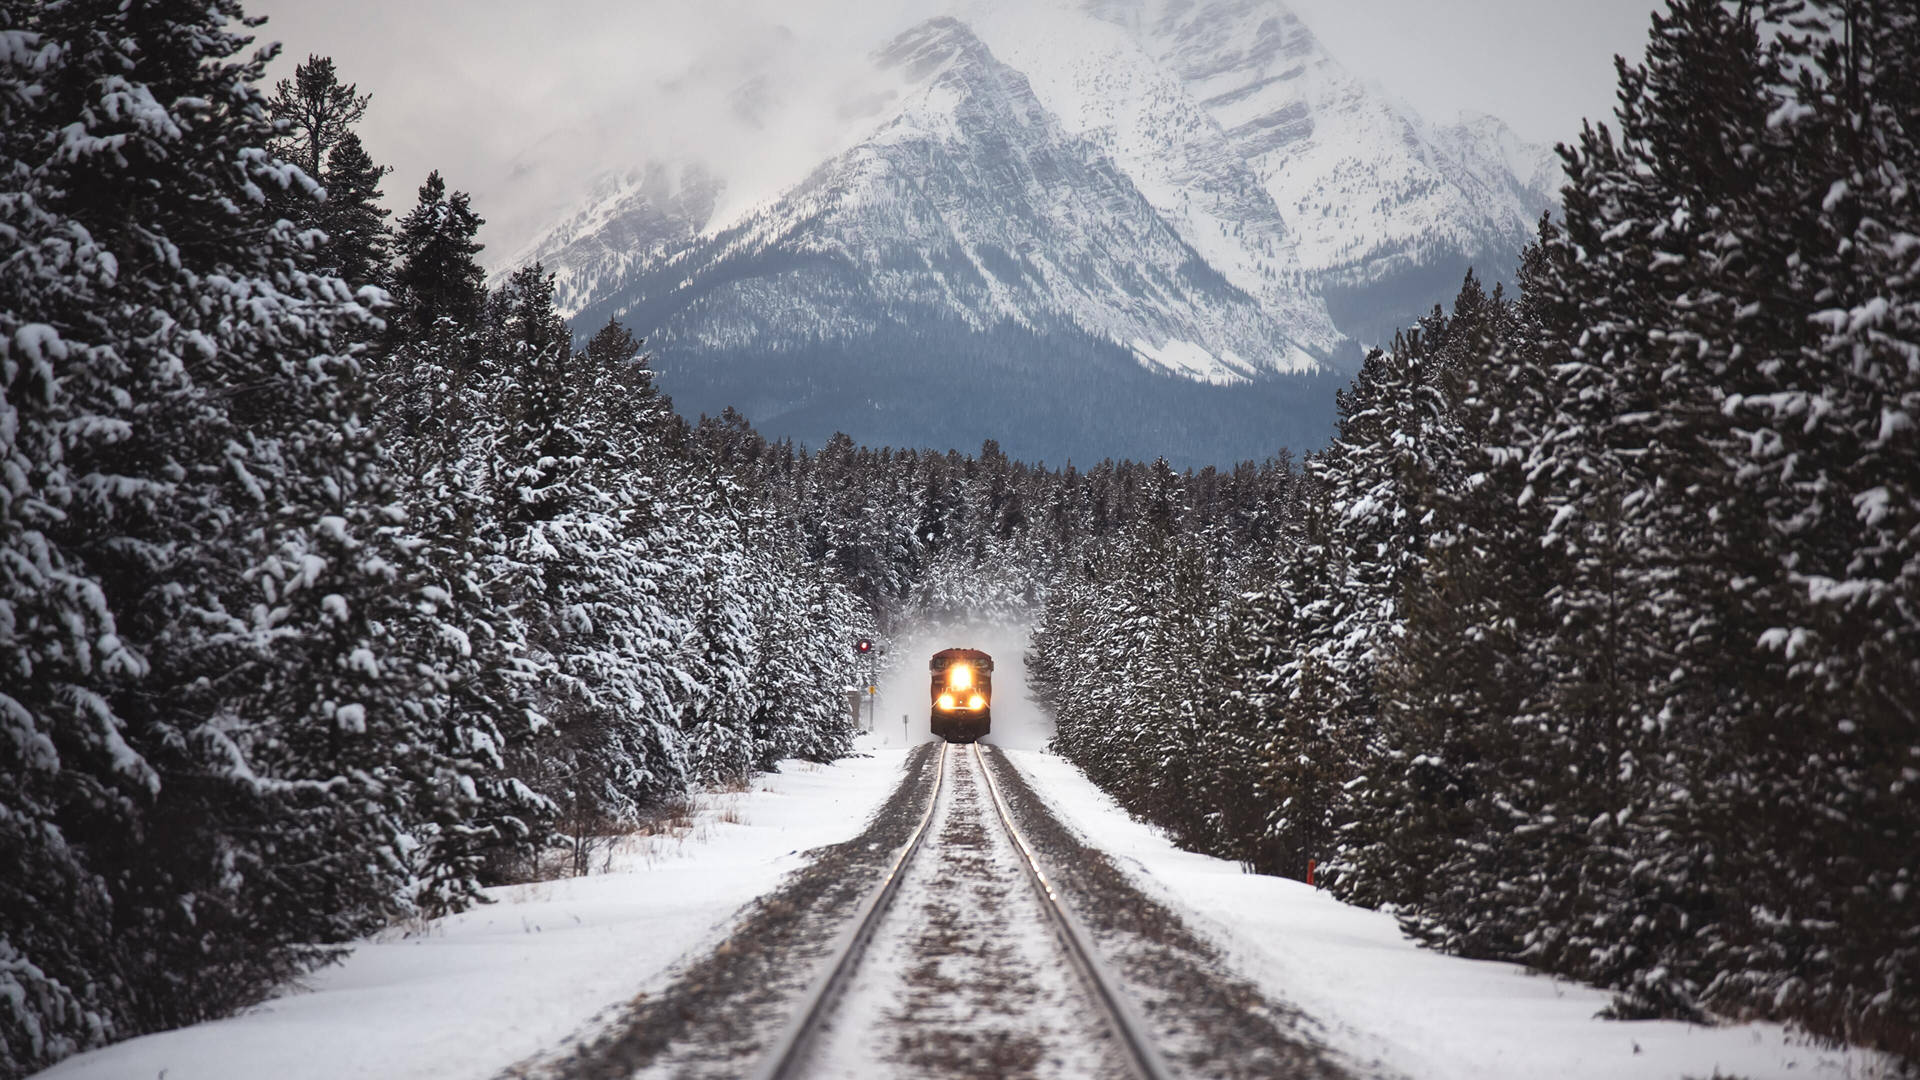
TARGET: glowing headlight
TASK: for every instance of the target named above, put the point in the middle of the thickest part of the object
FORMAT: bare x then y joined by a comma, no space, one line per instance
946,701
960,677
976,701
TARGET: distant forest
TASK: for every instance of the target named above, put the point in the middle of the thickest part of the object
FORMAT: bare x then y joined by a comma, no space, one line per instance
336,587
931,384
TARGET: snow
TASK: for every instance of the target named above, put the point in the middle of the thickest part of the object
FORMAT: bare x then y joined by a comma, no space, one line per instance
40,342
1386,1003
1193,361
1098,80
469,995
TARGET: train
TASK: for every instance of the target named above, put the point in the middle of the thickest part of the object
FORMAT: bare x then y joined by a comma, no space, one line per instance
962,694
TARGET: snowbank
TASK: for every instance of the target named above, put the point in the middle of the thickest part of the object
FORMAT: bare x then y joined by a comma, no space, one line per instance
479,991
1388,1003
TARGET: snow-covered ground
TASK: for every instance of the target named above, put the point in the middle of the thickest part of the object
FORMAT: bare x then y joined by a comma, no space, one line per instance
1387,1003
477,992
474,993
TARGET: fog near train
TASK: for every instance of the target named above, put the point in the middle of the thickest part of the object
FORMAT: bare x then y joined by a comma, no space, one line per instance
1018,722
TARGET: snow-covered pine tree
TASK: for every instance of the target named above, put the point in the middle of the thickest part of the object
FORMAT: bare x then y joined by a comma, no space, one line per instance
1255,638
1626,470
803,622
718,655
603,539
1433,837
314,112
1311,745
439,415
1362,549
358,247
1167,714
206,619
1810,306
436,273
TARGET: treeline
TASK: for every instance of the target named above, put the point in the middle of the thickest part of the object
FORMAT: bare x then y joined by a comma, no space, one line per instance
1593,639
921,534
334,587
943,382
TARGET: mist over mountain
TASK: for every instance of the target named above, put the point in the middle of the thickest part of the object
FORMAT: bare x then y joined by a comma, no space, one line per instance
1120,227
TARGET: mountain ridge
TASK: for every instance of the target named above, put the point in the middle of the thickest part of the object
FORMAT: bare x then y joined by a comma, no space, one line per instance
1197,185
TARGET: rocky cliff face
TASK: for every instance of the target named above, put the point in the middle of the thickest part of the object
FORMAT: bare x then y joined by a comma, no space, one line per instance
1166,187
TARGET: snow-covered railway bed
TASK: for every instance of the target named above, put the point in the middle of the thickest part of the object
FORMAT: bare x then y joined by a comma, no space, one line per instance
721,1008
965,932
964,968
1205,1019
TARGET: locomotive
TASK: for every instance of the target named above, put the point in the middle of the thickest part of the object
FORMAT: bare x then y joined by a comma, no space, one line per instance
962,694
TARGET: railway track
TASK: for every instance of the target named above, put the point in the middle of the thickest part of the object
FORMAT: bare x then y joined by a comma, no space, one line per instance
942,970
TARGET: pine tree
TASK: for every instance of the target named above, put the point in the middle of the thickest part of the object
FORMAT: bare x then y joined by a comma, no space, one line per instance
1817,328
436,275
358,246
314,115
314,112
202,606
440,396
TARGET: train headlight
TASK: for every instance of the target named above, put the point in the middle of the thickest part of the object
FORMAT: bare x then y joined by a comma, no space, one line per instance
946,701
960,677
976,701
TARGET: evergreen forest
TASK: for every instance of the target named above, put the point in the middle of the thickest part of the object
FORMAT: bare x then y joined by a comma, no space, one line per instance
337,586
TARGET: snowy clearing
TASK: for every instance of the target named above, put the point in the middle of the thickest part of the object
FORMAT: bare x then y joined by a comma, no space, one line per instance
1391,1005
479,991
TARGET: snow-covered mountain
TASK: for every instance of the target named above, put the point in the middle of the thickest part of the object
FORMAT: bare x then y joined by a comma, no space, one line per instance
970,205
1192,187
629,219
1378,199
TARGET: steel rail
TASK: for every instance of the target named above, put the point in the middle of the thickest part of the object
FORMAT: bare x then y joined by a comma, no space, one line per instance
796,1039
1121,1016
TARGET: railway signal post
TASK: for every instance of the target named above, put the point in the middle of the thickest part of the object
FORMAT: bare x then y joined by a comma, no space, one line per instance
864,647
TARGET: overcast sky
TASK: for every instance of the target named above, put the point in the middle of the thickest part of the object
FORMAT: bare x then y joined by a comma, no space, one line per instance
521,102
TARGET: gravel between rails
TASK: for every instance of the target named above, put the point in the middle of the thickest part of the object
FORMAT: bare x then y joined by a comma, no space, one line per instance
722,1009
1206,1020
964,977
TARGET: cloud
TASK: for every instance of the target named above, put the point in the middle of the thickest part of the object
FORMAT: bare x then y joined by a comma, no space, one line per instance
525,104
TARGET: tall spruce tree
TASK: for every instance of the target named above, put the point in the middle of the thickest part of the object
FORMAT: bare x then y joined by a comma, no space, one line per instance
439,409
206,621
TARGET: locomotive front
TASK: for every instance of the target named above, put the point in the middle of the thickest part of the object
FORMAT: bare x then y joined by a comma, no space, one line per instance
962,694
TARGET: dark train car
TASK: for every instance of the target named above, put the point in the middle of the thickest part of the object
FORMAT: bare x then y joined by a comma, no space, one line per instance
962,694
